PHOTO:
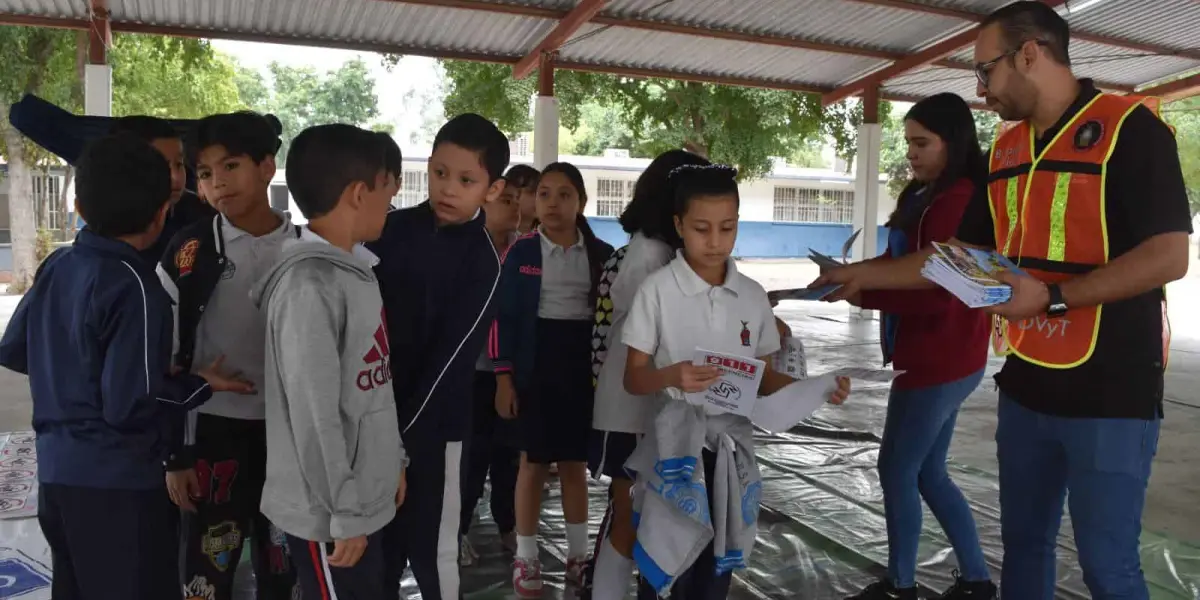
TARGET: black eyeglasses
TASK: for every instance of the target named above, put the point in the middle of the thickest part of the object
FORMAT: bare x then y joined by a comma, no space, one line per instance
983,70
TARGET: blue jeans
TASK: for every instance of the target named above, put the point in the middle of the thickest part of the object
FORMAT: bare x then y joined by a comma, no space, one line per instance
1106,465
912,465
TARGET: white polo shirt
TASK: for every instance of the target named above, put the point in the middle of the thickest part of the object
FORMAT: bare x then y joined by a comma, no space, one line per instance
231,325
615,409
566,281
675,312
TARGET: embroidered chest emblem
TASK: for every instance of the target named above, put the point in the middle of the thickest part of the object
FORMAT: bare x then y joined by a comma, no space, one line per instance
185,258
746,333
1089,134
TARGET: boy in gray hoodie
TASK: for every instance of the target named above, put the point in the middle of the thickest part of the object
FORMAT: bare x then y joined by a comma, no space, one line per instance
335,462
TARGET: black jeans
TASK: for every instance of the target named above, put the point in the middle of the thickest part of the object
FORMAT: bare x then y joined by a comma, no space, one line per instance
231,466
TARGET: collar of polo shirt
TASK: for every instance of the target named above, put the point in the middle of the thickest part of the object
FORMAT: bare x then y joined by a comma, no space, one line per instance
550,246
691,284
232,232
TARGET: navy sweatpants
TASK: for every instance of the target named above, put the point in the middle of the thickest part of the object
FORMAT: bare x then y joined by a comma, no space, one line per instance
424,534
110,544
490,451
319,581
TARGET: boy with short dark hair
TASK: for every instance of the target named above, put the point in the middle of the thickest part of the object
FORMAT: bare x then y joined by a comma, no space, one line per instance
94,336
209,269
334,460
438,271
186,208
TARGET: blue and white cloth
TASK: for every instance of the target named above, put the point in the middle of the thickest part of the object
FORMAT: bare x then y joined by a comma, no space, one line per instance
672,514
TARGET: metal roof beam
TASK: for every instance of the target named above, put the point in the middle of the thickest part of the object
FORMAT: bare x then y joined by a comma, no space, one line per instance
924,57
567,26
1175,90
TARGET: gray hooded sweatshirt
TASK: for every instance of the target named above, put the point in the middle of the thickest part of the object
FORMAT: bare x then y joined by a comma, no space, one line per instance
334,453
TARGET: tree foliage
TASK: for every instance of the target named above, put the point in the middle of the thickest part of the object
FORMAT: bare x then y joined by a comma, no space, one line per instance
744,127
151,75
171,77
1184,116
301,96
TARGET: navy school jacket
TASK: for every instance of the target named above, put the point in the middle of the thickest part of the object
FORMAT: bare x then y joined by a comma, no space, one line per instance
94,336
437,285
512,343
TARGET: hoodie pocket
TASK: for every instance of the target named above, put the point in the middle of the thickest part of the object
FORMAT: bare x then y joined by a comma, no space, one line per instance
377,456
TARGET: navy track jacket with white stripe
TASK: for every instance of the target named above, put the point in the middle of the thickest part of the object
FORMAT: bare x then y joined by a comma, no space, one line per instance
438,286
94,336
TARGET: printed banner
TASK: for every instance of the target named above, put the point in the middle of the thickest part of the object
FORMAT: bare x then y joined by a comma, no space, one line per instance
18,475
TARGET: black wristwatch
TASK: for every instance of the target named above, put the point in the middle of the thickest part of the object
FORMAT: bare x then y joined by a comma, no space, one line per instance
1057,306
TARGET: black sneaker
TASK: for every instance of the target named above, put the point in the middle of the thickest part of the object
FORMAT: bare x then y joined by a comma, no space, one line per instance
969,590
884,590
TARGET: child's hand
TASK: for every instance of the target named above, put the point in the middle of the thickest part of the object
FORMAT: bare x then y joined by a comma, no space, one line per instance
182,487
842,392
347,552
222,382
400,491
506,399
690,378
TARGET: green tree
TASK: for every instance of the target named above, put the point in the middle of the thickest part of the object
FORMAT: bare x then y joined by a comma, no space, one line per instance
252,90
171,77
302,97
745,127
151,75
40,61
1184,116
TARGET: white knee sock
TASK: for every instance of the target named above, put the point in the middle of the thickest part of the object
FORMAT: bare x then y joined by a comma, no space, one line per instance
613,572
577,540
527,547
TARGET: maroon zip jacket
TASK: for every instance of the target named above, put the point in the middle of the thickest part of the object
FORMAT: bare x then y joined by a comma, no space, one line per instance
939,339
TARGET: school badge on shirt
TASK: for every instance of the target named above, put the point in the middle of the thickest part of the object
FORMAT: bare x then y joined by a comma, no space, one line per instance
185,258
746,333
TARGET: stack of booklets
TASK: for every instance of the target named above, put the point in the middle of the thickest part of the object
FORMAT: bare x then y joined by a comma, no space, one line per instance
969,274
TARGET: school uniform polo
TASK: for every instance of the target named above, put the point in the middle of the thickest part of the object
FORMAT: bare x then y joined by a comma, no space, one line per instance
675,312
566,281
231,326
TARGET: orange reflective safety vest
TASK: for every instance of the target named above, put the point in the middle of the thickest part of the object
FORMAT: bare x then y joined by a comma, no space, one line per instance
1049,216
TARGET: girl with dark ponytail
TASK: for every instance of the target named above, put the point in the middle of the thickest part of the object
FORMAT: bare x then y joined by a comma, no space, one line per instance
542,348
941,347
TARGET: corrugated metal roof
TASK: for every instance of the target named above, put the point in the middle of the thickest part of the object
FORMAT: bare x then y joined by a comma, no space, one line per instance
1171,23
354,21
852,24
66,9
702,38
690,54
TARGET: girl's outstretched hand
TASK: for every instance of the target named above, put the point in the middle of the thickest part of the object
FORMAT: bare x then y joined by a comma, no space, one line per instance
842,392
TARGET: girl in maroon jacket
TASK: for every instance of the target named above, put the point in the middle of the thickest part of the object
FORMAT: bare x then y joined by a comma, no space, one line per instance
940,344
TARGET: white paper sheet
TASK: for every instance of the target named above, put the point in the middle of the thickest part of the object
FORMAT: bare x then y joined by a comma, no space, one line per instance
737,389
797,401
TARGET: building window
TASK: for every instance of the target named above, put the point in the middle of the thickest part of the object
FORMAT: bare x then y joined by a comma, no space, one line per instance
48,202
612,195
805,205
519,145
414,189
